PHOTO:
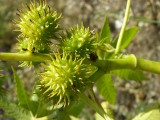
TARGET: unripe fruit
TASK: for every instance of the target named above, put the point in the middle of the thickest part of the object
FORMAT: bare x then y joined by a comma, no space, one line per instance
30,45
38,22
81,41
64,78
37,25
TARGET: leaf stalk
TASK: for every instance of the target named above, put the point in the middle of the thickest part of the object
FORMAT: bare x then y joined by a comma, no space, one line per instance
123,26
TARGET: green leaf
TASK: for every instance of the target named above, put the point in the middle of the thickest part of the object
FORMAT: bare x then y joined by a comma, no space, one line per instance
128,36
22,96
2,82
136,75
15,111
104,41
106,88
152,113
105,32
76,109
1,75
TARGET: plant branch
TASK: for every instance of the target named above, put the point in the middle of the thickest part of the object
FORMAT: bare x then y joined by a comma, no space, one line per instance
127,62
36,57
95,106
123,27
148,65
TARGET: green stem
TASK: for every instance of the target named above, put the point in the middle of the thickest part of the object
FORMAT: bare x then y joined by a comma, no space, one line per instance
49,117
123,27
148,65
61,115
93,96
96,107
99,73
128,62
36,57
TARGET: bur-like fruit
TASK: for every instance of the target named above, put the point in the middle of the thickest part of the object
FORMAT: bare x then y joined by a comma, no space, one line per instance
80,41
64,78
37,24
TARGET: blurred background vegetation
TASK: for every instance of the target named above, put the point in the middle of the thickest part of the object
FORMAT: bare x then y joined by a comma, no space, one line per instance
131,96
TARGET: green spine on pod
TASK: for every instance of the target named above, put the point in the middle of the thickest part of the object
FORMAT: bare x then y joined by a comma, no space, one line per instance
26,44
80,41
38,24
63,78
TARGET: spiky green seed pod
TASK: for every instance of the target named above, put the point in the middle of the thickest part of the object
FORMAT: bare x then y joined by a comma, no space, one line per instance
81,41
38,25
38,22
64,78
30,45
